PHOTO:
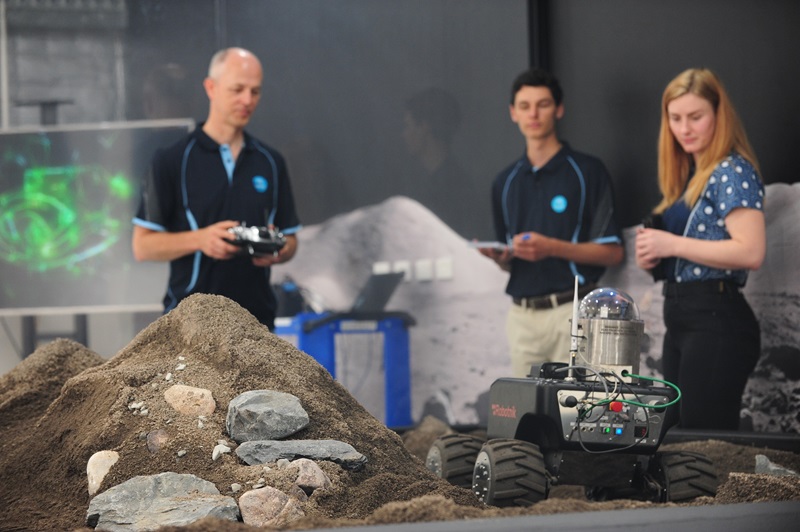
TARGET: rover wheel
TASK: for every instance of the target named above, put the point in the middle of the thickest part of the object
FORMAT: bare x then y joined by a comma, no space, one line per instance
452,457
682,476
510,473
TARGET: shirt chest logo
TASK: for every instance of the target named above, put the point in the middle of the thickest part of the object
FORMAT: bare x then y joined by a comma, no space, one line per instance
260,184
558,204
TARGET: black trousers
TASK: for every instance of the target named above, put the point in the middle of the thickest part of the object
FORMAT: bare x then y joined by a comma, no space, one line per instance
711,346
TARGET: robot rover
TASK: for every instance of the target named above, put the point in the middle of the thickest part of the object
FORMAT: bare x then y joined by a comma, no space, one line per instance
594,424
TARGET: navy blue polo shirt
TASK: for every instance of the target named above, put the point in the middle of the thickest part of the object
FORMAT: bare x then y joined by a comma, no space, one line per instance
193,184
569,198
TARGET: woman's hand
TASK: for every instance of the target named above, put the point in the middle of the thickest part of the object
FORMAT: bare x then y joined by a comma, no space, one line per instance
652,245
744,249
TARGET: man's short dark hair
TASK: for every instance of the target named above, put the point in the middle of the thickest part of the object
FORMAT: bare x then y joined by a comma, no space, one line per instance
536,77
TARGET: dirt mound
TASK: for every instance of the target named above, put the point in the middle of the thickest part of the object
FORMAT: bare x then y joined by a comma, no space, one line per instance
224,349
28,389
64,403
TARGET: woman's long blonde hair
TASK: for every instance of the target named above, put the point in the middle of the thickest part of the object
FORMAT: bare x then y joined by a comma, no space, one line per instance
729,135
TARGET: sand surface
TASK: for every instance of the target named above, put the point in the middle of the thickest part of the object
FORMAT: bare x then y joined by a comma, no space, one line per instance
64,403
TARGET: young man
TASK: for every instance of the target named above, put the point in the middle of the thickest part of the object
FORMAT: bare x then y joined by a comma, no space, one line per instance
216,178
554,208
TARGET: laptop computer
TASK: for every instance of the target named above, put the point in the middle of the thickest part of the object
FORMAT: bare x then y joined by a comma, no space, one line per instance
369,304
377,292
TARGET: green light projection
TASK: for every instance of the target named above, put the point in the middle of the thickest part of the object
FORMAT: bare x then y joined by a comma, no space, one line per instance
68,195
62,215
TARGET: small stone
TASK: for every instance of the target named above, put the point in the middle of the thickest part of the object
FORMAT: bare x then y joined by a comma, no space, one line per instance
236,488
268,507
97,468
156,440
182,453
765,466
310,477
180,367
298,493
219,450
190,400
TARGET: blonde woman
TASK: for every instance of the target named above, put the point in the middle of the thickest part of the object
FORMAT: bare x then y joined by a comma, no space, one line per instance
711,233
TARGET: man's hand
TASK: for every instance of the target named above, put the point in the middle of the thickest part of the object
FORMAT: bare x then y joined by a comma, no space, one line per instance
532,246
166,246
285,254
214,240
501,256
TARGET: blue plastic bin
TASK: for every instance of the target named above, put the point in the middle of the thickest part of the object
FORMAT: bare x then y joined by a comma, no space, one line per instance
315,335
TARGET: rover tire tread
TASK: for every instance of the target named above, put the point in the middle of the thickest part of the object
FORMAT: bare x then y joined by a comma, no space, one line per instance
452,457
684,475
510,473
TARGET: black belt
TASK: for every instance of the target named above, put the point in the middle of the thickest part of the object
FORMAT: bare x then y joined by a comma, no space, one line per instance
552,300
696,288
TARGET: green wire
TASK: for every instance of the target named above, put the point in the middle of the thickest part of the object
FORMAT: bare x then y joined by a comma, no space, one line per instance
625,373
636,403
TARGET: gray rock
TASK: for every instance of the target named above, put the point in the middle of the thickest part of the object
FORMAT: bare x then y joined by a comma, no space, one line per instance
765,466
154,501
264,415
268,451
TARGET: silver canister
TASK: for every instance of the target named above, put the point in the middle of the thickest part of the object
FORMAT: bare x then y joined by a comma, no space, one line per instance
611,333
613,344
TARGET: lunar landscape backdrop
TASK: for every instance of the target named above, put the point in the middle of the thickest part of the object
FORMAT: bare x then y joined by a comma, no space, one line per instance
458,345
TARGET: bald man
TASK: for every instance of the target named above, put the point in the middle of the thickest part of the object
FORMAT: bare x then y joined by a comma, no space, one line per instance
218,177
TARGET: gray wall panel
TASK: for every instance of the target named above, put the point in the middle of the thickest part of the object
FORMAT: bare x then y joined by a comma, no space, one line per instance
615,57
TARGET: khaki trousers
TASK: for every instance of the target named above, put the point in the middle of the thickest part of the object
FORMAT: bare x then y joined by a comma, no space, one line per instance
537,336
